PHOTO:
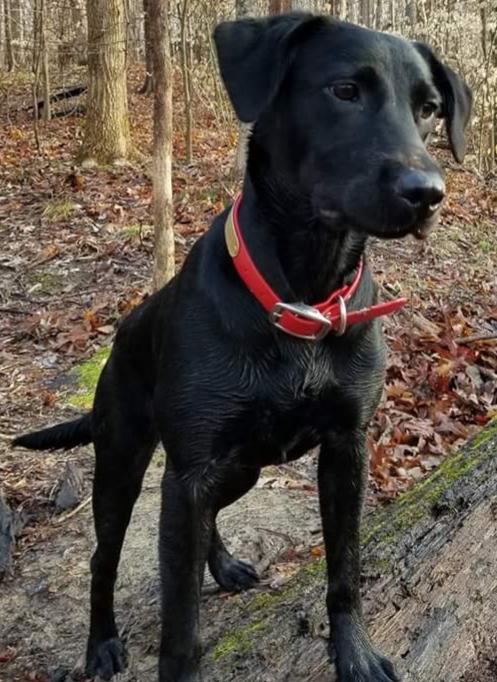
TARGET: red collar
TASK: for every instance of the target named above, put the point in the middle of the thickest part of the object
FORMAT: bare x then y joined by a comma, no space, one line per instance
298,319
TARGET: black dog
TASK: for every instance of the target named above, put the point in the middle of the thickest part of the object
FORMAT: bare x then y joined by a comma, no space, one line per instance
342,115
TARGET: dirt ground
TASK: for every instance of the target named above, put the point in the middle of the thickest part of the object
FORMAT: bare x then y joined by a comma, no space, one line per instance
45,607
76,256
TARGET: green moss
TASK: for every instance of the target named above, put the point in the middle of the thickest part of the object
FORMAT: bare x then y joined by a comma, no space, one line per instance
86,378
316,567
417,504
381,565
48,283
488,432
59,210
266,600
237,642
487,246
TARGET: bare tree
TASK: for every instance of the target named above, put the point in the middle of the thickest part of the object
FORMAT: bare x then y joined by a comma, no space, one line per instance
9,53
244,9
40,58
107,133
183,13
2,41
163,142
279,6
16,30
148,85
132,33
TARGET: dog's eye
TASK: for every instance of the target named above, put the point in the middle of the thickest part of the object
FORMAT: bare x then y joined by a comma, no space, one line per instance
348,92
427,110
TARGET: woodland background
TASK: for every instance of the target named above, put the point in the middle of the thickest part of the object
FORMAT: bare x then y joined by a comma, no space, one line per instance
117,148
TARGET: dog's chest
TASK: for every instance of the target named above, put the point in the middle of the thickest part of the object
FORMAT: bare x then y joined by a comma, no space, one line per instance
300,399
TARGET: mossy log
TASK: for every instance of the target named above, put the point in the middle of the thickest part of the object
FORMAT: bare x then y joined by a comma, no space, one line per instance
429,585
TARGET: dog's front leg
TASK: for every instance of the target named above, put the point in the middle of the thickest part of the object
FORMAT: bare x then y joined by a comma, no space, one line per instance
343,471
185,535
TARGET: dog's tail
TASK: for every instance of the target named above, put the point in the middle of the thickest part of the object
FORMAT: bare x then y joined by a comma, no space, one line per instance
63,436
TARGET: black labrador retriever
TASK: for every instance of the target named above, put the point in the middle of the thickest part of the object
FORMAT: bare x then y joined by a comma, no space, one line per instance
233,365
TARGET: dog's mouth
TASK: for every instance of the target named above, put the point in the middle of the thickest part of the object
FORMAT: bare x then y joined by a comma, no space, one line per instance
423,231
420,229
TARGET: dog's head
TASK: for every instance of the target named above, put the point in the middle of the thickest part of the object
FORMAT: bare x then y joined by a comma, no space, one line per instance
342,117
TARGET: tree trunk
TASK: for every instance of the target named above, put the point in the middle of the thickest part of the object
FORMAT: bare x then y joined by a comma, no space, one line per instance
45,69
80,31
2,41
243,9
40,64
393,17
429,580
107,133
16,29
365,12
148,86
132,33
378,22
279,6
9,54
183,10
163,148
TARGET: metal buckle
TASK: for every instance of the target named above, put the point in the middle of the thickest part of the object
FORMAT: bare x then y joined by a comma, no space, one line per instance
343,316
306,312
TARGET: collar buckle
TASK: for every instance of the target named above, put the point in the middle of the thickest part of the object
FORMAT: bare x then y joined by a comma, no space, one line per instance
343,316
304,312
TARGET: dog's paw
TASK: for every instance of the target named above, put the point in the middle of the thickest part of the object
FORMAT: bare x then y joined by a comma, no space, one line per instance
234,575
105,659
355,657
367,666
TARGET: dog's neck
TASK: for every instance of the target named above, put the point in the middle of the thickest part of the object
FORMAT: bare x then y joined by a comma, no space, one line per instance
301,258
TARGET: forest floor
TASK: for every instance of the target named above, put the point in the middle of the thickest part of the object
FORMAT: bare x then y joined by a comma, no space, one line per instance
76,257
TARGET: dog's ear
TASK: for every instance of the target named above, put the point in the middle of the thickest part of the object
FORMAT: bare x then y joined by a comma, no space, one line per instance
254,55
457,101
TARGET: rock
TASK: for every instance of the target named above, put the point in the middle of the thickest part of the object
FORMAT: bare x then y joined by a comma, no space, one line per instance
70,489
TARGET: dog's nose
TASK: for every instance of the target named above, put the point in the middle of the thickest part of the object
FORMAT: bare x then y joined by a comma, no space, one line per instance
424,190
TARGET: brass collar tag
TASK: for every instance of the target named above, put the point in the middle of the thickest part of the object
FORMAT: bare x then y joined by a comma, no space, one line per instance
231,237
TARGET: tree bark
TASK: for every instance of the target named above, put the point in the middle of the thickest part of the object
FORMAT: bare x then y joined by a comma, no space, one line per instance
279,6
183,10
45,68
107,133
148,85
9,54
163,137
16,29
40,64
80,32
244,9
429,580
365,12
2,39
132,33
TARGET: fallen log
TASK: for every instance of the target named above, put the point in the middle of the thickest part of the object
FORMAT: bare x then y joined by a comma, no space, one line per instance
430,587
60,95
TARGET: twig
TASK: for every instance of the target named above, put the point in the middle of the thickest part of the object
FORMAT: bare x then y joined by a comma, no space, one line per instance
15,311
72,513
418,320
464,340
277,533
